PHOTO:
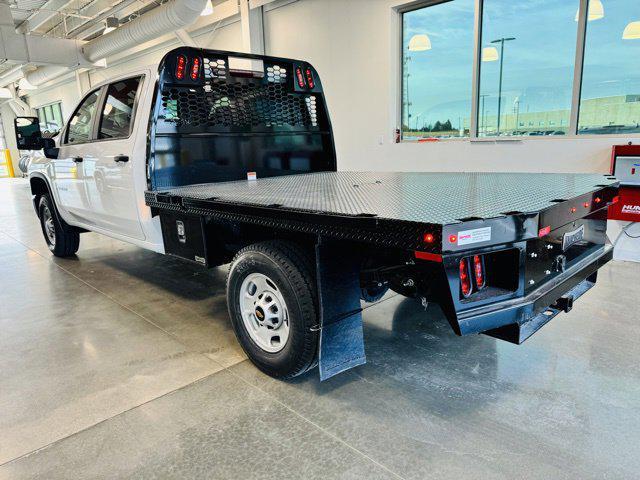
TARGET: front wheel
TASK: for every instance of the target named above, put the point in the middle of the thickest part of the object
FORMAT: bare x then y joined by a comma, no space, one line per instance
271,296
62,240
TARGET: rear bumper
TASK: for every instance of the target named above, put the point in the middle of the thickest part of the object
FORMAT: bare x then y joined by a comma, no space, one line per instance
517,319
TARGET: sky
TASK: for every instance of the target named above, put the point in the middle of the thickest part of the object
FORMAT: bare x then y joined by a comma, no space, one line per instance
537,67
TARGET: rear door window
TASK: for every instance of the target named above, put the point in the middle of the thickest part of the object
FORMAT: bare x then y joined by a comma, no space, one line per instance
118,111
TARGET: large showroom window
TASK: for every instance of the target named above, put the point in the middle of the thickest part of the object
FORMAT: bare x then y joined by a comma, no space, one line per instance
610,95
505,68
437,62
526,68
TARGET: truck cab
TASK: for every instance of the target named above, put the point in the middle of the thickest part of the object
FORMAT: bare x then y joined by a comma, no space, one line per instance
95,172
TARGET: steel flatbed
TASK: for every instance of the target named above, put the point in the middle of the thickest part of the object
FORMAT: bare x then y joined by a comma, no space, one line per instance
397,208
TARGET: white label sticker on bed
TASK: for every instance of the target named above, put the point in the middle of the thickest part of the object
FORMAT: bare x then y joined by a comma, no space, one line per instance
477,235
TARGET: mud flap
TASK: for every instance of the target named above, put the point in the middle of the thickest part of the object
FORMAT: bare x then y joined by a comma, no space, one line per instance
341,337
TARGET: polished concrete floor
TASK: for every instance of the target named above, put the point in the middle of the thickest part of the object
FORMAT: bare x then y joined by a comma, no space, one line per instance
121,363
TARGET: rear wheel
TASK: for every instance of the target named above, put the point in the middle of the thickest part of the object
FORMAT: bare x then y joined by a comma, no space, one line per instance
62,240
271,297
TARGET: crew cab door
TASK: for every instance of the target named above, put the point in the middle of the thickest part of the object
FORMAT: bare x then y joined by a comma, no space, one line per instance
75,150
109,177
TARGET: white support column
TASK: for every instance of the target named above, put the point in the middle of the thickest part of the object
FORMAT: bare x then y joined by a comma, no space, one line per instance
252,24
83,82
184,37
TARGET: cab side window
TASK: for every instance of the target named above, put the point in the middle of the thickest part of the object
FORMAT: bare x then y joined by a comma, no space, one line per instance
117,114
80,124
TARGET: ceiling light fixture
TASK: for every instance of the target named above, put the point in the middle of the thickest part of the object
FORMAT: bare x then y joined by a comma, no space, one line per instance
419,43
596,11
111,24
631,31
208,9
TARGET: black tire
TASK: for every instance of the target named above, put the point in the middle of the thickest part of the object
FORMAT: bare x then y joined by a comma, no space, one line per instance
290,268
62,239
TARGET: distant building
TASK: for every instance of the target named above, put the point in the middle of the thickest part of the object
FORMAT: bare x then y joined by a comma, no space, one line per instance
617,114
595,114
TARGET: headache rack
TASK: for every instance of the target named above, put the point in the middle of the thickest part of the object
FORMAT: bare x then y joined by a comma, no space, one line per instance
219,115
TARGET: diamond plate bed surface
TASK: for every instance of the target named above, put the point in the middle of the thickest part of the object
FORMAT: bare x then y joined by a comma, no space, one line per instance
437,198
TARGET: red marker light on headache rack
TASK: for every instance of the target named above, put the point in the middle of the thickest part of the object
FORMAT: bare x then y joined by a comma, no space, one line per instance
544,231
597,200
574,209
453,238
465,278
427,238
616,199
181,67
310,80
300,77
195,68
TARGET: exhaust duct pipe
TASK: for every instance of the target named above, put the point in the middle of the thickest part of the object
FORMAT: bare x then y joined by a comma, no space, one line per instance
167,18
162,20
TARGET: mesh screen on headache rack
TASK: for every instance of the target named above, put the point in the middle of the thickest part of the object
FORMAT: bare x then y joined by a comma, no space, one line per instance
214,123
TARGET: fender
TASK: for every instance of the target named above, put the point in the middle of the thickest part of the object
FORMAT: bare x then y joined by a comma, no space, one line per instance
36,193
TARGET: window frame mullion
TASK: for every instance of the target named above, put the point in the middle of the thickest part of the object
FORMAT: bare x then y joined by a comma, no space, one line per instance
475,74
578,67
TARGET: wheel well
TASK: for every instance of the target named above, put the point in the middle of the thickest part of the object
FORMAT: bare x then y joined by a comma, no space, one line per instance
39,186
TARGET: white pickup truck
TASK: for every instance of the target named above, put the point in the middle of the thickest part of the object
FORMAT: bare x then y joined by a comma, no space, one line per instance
219,157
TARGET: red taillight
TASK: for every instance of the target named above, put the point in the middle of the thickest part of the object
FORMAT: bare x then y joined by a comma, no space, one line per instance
478,271
465,278
181,67
195,68
310,80
300,77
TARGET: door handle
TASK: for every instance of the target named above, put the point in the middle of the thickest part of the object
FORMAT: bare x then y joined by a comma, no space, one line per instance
77,159
121,158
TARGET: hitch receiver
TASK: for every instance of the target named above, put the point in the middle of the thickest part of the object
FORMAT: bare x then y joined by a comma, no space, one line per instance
564,303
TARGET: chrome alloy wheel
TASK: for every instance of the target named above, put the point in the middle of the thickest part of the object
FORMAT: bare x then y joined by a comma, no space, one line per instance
48,225
264,312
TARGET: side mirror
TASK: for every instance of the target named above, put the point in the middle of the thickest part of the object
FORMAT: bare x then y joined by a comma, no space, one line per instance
28,135
49,148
